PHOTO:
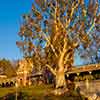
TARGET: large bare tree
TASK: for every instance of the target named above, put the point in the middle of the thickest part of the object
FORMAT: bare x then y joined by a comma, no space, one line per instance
55,28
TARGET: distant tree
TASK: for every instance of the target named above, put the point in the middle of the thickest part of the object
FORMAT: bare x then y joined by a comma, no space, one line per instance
7,68
55,29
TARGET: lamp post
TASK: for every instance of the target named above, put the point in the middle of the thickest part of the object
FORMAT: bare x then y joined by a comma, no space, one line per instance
87,85
16,85
25,77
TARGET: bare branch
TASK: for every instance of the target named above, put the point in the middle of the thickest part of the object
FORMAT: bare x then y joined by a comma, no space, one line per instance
49,43
51,69
61,62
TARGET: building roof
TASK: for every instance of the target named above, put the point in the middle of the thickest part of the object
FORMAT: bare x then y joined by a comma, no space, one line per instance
85,68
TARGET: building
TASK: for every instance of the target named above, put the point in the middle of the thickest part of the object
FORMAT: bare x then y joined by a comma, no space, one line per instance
91,71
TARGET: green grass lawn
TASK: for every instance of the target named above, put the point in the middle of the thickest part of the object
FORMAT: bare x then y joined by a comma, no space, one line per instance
5,91
30,90
36,93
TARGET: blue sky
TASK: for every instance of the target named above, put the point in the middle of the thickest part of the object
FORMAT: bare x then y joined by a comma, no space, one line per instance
10,21
10,18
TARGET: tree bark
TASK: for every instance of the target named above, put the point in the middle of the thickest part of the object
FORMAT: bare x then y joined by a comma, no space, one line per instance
60,75
60,79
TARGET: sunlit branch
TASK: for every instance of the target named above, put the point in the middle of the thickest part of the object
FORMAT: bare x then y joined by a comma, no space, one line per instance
73,9
62,54
51,69
49,43
92,26
71,14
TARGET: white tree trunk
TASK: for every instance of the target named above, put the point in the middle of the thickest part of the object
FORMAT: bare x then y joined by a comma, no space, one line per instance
60,75
60,79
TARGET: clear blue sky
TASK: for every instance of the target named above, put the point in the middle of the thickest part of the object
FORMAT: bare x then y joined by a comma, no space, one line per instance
10,16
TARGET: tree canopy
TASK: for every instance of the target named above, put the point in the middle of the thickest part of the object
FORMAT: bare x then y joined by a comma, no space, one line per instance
7,68
51,20
55,29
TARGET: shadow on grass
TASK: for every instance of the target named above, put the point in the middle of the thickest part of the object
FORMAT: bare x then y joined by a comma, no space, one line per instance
25,96
39,93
